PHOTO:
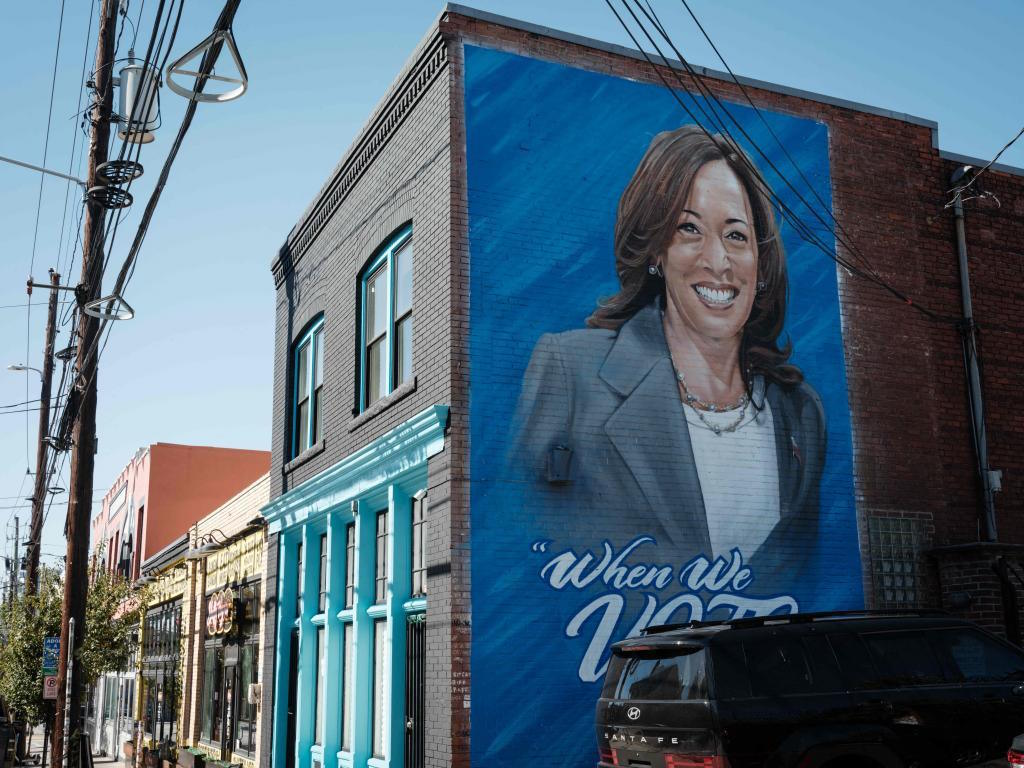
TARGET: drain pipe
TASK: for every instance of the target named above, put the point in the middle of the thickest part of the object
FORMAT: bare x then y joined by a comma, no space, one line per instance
990,479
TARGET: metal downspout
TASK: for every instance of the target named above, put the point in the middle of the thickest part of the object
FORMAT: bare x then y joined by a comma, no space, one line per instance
988,519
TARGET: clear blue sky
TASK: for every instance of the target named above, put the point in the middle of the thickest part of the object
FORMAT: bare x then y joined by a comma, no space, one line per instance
195,366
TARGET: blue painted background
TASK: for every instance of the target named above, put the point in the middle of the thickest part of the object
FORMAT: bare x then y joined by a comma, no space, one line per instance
549,150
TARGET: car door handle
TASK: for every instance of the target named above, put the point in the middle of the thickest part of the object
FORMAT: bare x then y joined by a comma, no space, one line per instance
1018,690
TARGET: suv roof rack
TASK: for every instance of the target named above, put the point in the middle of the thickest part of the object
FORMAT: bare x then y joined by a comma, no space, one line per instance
796,618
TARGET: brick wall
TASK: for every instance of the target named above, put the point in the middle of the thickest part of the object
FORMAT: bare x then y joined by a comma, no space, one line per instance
399,170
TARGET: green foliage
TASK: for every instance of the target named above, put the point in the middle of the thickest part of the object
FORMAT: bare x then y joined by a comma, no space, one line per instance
112,615
23,624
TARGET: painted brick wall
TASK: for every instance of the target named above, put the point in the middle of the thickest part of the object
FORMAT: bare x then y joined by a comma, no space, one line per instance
407,178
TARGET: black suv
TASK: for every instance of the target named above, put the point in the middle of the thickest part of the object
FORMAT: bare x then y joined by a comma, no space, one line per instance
843,689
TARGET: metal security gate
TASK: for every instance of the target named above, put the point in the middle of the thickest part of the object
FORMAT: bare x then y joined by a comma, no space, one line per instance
415,691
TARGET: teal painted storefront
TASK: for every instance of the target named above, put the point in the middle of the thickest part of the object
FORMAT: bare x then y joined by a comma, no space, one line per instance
384,476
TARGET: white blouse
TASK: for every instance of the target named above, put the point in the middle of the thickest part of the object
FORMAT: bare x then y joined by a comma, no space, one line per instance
739,476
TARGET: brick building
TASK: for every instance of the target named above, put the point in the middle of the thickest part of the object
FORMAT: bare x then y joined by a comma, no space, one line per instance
144,518
472,492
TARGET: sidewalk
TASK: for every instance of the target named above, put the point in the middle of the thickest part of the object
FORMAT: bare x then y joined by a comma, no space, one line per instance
35,751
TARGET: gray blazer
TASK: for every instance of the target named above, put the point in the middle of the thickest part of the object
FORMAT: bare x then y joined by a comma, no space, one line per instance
611,400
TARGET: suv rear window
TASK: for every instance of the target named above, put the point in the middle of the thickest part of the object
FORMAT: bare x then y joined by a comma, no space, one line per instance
677,675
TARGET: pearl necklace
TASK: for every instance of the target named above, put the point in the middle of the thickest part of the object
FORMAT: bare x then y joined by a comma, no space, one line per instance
699,405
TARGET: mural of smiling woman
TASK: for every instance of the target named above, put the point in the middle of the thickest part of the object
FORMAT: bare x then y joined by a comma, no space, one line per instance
678,402
659,420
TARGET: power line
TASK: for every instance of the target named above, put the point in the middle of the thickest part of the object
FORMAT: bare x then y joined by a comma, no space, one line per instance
805,232
960,189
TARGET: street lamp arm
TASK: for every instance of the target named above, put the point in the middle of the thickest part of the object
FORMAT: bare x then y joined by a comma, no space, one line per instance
19,367
31,167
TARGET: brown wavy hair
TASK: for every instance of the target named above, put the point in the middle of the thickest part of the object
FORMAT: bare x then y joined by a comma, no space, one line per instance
647,217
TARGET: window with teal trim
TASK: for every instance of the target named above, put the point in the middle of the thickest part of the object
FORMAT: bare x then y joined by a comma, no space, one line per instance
386,354
308,384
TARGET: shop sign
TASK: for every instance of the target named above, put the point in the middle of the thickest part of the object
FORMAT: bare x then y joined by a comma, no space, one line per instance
220,612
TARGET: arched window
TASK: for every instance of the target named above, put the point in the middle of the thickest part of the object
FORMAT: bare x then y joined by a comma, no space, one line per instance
307,386
386,349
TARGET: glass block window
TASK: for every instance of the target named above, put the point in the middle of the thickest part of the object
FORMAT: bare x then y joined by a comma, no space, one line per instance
895,543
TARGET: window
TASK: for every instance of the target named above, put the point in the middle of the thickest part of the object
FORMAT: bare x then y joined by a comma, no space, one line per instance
896,543
904,658
387,320
213,669
346,693
379,660
977,658
676,676
778,667
245,727
300,580
321,685
308,377
419,546
322,605
381,580
350,565
854,661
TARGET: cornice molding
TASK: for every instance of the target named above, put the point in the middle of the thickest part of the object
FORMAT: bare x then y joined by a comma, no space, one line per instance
418,78
405,447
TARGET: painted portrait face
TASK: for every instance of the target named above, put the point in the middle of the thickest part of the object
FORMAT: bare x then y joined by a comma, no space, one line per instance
710,265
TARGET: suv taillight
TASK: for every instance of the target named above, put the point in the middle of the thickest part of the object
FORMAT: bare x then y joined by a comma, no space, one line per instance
695,761
1015,759
607,756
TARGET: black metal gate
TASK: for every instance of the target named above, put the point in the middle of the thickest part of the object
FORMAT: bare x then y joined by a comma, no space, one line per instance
415,691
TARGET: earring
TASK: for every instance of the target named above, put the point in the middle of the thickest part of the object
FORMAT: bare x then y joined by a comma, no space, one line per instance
655,269
761,285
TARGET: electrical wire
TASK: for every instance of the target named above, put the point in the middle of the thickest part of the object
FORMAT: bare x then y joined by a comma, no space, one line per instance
805,232
960,189
39,208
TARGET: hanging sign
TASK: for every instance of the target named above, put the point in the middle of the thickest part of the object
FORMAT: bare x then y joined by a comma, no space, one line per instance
51,651
220,612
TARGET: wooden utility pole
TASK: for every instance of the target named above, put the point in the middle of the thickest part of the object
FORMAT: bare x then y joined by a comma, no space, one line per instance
35,529
82,401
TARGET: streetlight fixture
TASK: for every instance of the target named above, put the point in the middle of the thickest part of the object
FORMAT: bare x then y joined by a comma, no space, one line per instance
22,367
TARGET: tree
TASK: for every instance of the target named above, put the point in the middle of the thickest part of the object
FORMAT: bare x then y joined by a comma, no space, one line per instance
24,623
112,615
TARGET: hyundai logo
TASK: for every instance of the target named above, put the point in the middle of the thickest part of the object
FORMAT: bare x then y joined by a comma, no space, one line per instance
633,713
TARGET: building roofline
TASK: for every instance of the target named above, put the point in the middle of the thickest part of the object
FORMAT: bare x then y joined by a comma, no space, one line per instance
764,85
621,50
167,556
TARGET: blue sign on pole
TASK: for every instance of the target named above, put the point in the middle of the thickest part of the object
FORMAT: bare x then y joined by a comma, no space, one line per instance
51,652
